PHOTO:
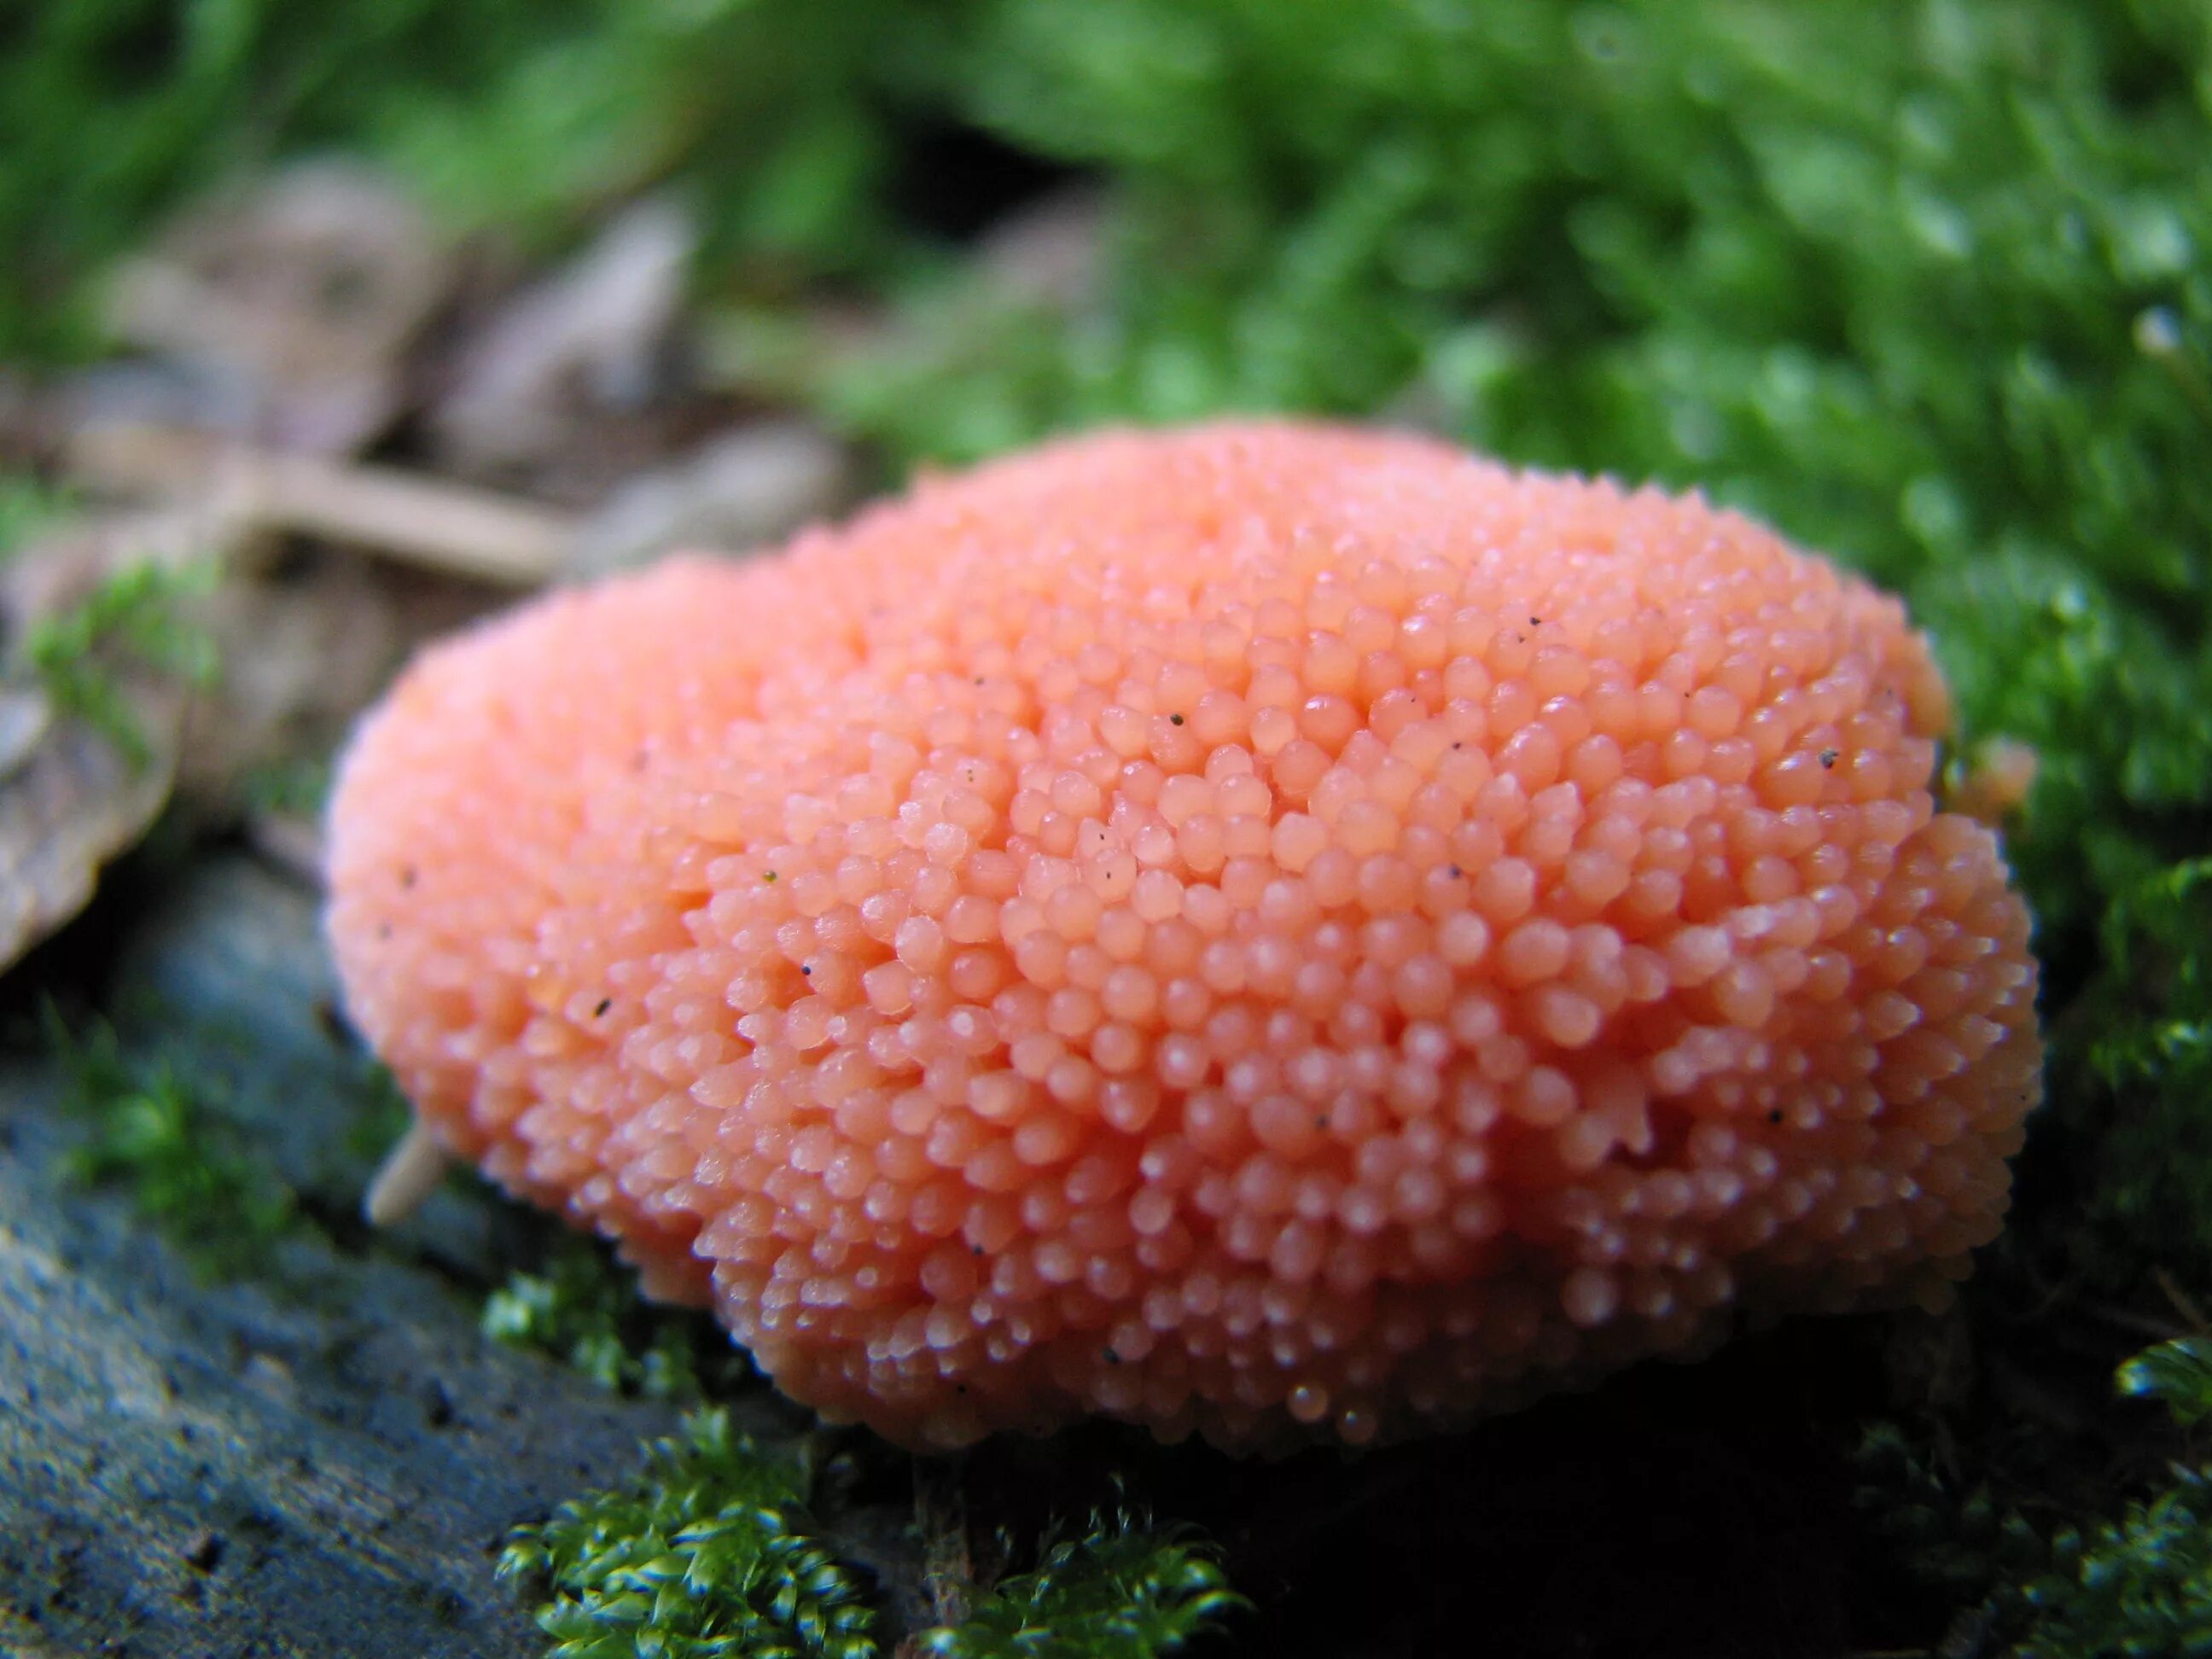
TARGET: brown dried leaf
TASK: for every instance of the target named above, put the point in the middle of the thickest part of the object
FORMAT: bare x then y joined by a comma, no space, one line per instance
262,493
754,484
304,651
301,293
71,803
562,355
301,657
1050,253
64,566
72,794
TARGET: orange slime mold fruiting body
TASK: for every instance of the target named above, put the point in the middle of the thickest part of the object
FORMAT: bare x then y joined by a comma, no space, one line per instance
1267,930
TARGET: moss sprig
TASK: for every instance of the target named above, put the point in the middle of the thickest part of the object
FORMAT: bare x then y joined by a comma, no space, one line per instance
2137,1067
1124,1590
2178,1373
297,787
2140,1587
584,1310
134,619
709,1552
1953,1538
28,506
706,1554
150,1130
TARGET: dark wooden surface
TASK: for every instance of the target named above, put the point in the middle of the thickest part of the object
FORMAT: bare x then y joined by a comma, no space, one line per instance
326,1466
321,1458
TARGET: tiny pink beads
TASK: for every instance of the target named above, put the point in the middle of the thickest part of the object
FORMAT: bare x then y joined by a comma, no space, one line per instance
1266,930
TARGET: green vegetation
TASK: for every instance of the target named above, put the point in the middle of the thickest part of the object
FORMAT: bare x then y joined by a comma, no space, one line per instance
379,1114
27,507
2135,1080
584,1310
131,620
150,1128
774,117
772,113
112,110
297,788
708,1554
705,1555
2139,1588
2179,1374
1123,1590
1961,1544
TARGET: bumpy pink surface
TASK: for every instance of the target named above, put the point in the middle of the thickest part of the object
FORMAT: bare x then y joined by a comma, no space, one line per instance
1267,930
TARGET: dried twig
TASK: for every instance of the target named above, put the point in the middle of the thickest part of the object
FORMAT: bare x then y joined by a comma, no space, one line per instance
450,527
2184,1304
941,1511
410,1172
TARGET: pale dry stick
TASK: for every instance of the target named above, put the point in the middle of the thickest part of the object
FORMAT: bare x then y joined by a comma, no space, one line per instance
2183,1303
464,531
941,1511
292,841
410,1172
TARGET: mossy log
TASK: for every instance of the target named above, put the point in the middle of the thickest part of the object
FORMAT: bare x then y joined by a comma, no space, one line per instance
322,1464
320,1458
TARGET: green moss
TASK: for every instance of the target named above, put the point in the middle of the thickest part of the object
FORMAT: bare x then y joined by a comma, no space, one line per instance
1953,1539
2177,1373
296,787
2135,1076
707,1552
1123,1590
2139,1588
774,115
29,507
149,1129
584,1310
134,619
112,110
378,1115
1922,281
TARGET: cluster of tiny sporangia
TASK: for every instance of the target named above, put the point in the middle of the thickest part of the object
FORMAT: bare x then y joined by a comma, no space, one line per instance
1263,931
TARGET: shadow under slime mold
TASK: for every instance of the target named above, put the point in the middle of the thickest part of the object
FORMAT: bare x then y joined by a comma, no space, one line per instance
1677,1512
